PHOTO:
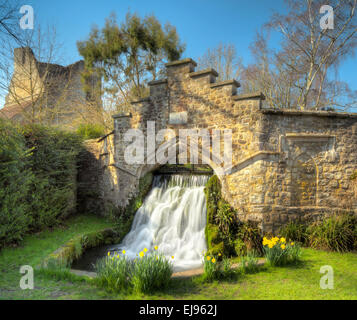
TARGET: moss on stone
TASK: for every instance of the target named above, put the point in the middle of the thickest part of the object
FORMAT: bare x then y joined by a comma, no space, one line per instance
216,249
217,240
74,248
353,176
212,234
224,231
125,219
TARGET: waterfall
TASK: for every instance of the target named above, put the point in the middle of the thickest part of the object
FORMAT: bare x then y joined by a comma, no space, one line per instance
172,217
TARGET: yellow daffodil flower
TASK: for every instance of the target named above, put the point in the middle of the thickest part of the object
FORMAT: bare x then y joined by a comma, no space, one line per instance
265,241
214,260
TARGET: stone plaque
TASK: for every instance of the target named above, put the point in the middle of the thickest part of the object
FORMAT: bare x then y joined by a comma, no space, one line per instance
178,118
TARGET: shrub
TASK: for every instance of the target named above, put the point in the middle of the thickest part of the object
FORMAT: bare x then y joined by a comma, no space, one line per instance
90,131
279,253
249,263
336,233
151,272
250,234
295,231
221,227
114,272
213,194
225,218
15,183
217,249
37,179
240,247
54,165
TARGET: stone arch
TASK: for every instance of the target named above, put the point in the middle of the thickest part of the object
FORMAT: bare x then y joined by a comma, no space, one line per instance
218,170
304,181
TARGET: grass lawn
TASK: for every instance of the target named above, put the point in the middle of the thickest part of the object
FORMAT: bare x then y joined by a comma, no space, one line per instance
294,282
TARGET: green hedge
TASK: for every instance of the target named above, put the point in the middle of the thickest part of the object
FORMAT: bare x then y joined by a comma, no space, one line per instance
16,180
37,178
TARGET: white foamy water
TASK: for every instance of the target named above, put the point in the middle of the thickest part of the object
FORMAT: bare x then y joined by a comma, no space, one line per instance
172,217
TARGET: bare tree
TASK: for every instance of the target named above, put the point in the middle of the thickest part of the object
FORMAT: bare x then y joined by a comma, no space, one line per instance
9,21
299,74
224,60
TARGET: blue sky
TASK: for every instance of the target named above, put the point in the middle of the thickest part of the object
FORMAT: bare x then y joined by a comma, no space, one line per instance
201,24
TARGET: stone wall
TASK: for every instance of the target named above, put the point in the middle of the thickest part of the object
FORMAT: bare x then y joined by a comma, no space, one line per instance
317,156
286,164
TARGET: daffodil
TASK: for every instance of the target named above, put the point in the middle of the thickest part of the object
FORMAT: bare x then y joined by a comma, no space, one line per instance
219,254
214,260
108,253
283,246
208,258
156,247
173,257
282,240
293,243
124,252
265,241
141,254
145,250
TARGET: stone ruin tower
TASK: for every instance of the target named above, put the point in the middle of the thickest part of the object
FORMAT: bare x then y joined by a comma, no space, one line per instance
45,91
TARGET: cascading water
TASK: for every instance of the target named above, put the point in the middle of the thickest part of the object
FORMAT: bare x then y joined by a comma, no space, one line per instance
172,217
